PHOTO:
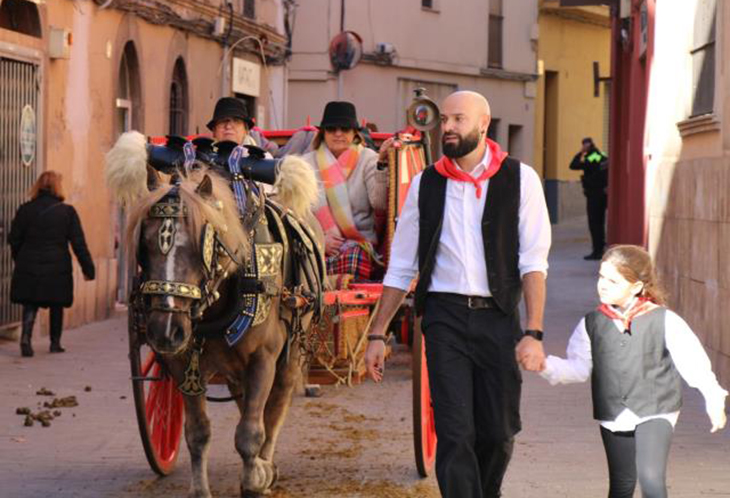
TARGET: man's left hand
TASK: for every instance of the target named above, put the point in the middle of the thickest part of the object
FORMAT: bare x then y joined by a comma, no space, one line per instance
530,354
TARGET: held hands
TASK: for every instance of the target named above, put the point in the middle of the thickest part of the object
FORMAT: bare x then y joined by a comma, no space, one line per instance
530,354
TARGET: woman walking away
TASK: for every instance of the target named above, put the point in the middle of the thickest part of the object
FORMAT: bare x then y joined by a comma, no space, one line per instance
39,238
636,352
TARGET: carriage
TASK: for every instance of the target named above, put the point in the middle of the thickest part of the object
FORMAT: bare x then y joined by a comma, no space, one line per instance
159,403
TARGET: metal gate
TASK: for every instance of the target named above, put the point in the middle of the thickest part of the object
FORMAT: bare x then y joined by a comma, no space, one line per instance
19,90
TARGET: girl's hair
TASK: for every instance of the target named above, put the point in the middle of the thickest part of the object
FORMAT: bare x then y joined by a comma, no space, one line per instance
319,138
49,181
634,264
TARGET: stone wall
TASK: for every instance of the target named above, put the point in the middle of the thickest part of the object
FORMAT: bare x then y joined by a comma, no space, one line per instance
689,236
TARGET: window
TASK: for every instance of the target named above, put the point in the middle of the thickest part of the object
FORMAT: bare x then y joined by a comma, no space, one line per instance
494,53
493,130
703,58
128,91
20,16
179,99
249,9
427,4
514,140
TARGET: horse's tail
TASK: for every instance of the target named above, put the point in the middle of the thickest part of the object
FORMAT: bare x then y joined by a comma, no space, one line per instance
296,186
126,167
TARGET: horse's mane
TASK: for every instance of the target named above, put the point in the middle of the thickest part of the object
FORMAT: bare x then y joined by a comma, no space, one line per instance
220,211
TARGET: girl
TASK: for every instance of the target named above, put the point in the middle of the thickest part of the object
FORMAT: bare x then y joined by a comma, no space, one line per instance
635,350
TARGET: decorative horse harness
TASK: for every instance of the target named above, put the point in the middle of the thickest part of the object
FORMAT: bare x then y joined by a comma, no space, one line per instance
281,244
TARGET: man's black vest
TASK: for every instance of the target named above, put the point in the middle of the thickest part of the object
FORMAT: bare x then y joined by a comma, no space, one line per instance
500,231
632,370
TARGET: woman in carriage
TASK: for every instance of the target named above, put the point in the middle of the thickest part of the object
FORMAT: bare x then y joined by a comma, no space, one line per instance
353,188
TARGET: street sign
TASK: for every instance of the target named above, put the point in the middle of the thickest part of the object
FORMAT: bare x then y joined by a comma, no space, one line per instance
246,77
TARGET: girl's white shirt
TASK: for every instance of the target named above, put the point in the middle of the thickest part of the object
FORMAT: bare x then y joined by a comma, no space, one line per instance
687,353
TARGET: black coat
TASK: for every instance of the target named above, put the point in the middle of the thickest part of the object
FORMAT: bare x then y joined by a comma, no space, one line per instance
39,237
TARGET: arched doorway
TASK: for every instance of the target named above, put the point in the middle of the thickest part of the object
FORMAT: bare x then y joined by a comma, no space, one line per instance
128,117
179,99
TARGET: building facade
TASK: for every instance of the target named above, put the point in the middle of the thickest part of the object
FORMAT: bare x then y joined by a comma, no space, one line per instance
443,46
574,47
76,74
671,135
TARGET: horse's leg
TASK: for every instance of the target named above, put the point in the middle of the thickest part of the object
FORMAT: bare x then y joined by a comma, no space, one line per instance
257,474
287,378
197,436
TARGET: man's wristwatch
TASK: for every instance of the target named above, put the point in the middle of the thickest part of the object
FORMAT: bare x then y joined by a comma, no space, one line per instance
534,333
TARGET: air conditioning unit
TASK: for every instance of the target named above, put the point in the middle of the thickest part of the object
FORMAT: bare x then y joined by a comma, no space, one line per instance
384,48
59,43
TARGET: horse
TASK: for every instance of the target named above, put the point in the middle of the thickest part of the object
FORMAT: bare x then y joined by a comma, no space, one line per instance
195,253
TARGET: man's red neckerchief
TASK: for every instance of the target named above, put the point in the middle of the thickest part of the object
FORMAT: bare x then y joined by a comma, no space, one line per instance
447,168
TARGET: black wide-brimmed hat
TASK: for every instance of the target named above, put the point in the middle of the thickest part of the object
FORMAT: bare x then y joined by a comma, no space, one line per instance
341,114
230,107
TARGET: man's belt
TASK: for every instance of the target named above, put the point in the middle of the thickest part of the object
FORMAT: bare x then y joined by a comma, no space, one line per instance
471,302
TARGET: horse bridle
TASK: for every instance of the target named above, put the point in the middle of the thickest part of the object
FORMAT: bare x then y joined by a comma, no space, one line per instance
203,295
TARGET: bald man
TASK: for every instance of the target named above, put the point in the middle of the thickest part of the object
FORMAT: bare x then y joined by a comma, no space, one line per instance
483,234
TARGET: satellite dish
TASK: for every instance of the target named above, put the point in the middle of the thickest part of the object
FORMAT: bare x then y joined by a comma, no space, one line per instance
345,50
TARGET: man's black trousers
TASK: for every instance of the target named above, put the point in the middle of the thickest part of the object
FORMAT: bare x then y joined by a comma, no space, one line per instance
596,202
475,390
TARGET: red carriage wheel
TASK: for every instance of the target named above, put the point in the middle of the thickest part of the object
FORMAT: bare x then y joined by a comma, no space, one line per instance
406,327
159,408
424,430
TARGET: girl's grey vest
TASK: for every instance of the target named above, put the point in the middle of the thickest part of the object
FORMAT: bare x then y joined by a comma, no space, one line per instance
632,370
500,232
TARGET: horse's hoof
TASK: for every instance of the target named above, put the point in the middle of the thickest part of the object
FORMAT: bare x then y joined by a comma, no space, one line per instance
275,476
199,494
247,493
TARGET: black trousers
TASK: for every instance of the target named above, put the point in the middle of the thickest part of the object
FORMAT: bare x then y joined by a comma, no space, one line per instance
643,452
475,389
596,203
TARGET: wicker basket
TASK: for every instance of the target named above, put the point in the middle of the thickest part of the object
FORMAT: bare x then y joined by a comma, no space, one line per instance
340,347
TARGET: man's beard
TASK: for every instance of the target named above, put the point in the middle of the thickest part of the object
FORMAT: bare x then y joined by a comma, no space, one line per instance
463,146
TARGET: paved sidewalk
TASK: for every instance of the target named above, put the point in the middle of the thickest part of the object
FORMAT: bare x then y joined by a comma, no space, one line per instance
349,443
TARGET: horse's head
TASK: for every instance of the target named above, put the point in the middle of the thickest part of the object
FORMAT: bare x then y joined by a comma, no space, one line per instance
188,239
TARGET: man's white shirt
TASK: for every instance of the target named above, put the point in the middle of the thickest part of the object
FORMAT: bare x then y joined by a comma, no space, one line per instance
460,266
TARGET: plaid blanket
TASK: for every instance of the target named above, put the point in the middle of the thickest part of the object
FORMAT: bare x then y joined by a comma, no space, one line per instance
354,260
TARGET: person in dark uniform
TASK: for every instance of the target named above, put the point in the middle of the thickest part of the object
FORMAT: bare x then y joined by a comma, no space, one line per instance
594,165
39,238
475,229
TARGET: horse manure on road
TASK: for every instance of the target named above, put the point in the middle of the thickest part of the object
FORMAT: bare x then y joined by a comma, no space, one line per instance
67,402
44,415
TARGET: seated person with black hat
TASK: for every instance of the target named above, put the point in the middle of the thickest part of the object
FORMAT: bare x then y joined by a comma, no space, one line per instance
232,122
353,185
